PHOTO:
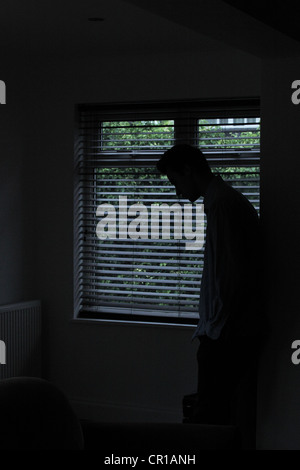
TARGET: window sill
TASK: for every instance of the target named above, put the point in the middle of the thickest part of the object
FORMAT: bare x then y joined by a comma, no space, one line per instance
137,322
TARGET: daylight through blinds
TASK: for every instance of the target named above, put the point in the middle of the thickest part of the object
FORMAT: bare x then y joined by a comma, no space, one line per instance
139,249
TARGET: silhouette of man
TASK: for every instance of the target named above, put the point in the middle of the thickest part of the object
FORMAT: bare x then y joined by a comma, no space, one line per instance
229,304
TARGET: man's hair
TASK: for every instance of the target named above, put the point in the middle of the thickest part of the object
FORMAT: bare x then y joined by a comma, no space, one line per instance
180,155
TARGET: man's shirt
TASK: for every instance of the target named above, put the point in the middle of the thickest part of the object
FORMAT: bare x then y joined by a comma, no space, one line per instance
230,280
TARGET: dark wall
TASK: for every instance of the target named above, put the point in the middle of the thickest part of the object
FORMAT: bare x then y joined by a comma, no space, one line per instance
16,256
279,404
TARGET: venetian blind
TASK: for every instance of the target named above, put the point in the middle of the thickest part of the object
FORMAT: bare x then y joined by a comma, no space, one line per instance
132,261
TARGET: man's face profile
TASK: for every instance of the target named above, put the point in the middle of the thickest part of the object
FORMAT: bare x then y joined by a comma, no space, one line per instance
183,183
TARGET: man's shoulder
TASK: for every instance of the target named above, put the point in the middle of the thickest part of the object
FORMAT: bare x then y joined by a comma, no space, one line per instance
226,198
224,192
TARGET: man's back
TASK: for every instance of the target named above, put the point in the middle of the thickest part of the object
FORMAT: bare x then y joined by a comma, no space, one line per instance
230,281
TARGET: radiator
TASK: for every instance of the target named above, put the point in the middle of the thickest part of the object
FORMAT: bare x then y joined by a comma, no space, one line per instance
20,340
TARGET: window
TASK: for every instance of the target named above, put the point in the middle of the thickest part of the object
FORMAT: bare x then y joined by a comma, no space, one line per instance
138,248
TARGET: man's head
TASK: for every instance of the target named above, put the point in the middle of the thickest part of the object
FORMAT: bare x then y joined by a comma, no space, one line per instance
187,169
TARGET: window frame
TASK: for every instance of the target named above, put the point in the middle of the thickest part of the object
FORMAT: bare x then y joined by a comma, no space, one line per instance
184,111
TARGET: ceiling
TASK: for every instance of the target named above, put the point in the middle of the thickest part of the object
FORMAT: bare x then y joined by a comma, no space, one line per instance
281,15
62,28
264,28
